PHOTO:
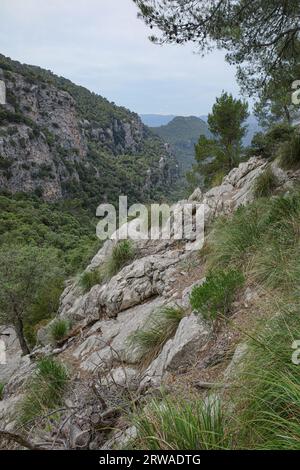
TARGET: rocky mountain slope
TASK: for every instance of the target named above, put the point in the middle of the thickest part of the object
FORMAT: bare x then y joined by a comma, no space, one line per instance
59,140
107,373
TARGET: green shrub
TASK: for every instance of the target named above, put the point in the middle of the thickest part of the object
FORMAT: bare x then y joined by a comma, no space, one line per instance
180,424
161,326
59,329
89,279
217,293
44,391
121,255
266,183
218,178
290,152
268,144
1,390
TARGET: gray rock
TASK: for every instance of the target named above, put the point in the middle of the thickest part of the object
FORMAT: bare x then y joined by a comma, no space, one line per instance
192,335
236,363
197,195
108,340
13,353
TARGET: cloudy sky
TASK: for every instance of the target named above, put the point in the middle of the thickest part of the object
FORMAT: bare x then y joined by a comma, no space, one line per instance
102,45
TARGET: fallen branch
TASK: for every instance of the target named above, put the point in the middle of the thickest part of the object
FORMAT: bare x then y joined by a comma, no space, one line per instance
209,385
20,440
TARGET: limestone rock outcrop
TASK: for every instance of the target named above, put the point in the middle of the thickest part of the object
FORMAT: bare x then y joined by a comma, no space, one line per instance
99,352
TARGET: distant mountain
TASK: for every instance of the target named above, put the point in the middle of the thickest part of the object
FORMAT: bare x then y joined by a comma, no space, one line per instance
156,120
182,133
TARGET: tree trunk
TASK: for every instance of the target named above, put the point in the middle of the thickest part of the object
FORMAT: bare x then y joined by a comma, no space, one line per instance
287,114
20,333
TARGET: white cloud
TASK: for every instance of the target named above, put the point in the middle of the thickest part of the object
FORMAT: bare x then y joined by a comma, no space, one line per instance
102,45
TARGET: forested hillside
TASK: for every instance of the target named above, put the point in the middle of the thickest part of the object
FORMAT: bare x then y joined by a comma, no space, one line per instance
58,140
182,133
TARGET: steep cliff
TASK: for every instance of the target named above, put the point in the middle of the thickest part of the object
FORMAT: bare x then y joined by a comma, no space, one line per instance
59,140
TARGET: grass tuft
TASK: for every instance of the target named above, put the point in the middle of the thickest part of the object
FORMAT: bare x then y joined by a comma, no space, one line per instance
89,279
290,152
266,183
269,405
215,296
59,329
121,255
1,390
44,391
161,326
173,424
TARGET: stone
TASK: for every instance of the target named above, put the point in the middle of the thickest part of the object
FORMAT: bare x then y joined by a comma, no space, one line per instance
191,336
137,282
12,353
280,174
237,174
108,340
236,363
120,439
8,412
196,196
121,376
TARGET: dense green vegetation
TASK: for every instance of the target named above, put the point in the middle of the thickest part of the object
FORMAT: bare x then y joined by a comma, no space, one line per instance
40,244
215,296
31,280
26,220
182,133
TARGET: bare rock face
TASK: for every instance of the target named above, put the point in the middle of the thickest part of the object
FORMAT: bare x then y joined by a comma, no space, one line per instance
196,196
12,353
8,412
108,339
50,148
32,148
237,188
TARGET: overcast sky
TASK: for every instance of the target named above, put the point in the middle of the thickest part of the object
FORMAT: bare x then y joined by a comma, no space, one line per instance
102,45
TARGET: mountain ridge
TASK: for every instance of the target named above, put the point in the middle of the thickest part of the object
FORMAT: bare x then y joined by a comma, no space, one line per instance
182,133
59,140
